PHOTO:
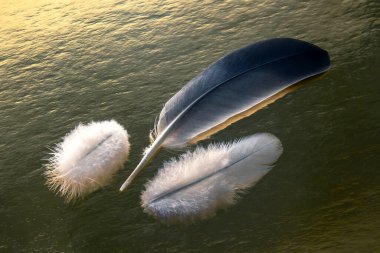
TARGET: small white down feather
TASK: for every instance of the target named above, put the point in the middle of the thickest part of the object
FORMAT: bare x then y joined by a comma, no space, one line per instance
87,158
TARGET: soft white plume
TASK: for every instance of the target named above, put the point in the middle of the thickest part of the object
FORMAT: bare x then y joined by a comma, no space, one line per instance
198,183
87,158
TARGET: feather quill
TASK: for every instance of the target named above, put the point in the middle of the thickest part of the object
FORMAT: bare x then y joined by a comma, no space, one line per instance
197,184
233,85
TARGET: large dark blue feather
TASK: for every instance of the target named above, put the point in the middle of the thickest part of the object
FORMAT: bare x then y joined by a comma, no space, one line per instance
230,86
238,82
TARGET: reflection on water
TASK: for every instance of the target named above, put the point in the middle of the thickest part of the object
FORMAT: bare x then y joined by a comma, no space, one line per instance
65,62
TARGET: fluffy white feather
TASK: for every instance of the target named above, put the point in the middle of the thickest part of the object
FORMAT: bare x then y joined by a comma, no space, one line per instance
87,158
198,183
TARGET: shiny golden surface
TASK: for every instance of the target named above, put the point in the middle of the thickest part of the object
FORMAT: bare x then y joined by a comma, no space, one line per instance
65,62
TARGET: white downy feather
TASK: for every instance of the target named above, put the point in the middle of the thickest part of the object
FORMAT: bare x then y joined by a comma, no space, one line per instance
198,183
87,158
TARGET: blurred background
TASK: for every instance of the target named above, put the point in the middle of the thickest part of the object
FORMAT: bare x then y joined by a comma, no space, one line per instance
65,62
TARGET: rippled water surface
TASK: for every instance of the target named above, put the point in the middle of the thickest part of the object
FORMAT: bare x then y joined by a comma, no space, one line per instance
65,62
